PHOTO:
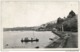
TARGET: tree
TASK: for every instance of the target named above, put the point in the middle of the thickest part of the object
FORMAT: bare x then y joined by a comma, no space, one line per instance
71,14
59,20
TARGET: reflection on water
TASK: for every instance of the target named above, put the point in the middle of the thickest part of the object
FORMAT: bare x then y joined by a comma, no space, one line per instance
12,39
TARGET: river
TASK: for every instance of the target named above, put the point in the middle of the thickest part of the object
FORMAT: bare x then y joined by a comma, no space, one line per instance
12,39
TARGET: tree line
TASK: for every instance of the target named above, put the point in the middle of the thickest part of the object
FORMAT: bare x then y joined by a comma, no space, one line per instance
68,23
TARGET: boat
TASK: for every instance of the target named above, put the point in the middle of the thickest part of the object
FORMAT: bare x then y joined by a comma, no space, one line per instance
50,38
30,40
37,47
27,40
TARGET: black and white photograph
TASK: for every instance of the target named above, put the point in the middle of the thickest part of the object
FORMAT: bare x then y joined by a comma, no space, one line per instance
40,24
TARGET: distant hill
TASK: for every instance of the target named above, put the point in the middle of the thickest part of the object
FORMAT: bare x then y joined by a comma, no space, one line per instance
20,28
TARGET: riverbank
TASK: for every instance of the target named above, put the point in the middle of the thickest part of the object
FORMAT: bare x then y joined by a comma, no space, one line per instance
67,40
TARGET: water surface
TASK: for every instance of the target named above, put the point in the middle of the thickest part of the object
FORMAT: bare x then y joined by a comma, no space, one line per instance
12,39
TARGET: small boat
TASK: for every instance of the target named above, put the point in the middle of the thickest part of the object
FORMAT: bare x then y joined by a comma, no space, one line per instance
50,38
27,40
37,47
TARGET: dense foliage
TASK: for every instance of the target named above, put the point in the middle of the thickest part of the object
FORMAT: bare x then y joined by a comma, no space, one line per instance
68,23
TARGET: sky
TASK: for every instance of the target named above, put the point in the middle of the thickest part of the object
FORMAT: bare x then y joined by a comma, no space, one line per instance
28,14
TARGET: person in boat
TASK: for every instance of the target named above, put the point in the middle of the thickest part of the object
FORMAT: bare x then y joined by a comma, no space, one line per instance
37,39
31,38
26,38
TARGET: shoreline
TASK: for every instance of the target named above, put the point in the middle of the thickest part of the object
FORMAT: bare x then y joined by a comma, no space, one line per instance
64,41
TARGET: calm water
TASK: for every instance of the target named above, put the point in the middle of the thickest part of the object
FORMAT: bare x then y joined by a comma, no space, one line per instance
12,39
